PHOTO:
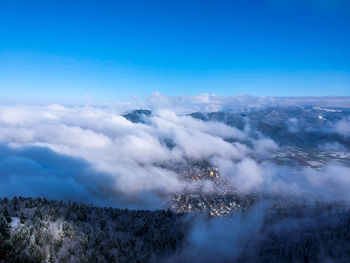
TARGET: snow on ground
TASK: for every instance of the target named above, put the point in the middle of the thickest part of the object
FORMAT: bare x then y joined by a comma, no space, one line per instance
15,221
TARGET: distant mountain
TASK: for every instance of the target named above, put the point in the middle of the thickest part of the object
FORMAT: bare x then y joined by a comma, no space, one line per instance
137,116
294,126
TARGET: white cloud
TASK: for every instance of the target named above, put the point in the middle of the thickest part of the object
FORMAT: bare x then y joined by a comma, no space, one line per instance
212,102
131,154
265,146
343,127
136,157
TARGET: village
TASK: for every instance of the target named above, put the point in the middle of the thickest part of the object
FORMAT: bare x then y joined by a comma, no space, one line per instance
220,201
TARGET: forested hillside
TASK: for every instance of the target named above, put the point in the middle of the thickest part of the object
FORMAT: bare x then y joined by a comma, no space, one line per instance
38,230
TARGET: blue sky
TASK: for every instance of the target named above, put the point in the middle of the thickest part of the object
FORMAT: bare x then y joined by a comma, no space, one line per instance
105,51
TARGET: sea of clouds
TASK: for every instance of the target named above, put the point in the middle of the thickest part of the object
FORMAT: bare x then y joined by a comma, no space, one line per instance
93,154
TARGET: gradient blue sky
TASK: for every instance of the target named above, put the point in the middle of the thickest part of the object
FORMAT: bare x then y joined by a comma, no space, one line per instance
105,51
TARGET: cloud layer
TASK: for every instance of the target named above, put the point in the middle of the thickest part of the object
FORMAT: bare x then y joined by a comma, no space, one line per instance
94,154
128,158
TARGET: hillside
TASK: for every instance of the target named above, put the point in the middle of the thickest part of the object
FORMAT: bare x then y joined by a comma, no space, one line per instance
38,230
